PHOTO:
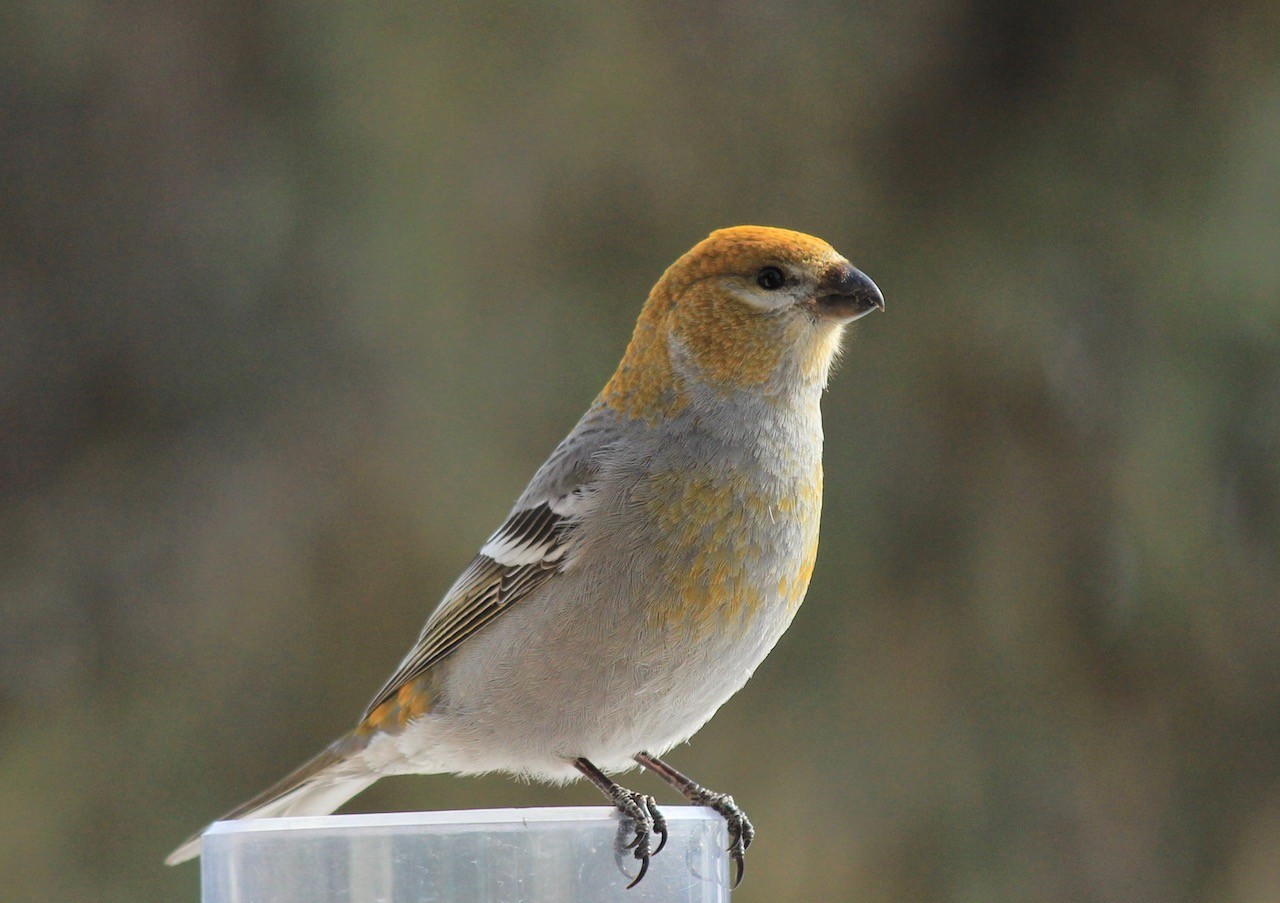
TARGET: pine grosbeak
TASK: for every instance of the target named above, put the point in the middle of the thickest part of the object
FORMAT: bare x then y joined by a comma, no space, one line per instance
648,568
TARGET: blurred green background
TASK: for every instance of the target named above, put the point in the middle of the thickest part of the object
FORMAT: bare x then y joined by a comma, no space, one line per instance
295,297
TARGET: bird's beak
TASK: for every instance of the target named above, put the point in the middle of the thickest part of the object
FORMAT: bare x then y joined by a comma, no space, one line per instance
846,293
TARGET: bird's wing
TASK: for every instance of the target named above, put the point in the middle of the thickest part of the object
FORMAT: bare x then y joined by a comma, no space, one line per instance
535,542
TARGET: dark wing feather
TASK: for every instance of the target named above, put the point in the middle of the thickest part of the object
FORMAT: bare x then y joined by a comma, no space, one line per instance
516,560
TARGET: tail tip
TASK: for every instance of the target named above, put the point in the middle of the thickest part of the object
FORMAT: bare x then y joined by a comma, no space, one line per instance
189,850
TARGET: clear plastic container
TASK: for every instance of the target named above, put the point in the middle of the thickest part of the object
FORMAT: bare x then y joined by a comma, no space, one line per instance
480,855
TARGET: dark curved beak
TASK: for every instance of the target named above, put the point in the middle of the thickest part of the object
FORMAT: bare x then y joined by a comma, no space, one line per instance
847,293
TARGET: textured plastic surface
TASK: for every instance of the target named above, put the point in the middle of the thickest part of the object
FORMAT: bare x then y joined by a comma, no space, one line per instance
481,855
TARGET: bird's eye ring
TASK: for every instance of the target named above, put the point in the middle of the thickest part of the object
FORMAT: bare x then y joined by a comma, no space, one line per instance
770,279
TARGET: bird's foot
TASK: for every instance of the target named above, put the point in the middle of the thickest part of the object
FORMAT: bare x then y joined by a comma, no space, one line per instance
640,815
644,819
741,833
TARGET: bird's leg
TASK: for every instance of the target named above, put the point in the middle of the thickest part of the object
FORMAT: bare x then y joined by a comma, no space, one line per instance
641,808
740,831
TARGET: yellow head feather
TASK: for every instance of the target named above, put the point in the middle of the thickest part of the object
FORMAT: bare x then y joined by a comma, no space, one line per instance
699,302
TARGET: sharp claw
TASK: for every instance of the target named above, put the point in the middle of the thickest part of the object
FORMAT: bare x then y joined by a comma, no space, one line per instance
659,824
740,833
736,841
644,867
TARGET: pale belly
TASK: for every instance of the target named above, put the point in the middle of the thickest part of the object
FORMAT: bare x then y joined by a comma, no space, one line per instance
558,678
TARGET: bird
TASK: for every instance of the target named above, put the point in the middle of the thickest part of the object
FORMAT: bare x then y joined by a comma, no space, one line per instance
651,564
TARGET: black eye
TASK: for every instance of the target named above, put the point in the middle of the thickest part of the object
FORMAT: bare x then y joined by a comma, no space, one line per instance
770,279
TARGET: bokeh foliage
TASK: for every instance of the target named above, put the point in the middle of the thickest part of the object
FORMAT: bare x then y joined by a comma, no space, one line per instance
295,297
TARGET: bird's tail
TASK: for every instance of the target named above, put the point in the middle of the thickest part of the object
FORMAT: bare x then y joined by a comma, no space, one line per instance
318,787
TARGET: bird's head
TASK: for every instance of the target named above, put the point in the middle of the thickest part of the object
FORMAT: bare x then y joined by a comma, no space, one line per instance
751,308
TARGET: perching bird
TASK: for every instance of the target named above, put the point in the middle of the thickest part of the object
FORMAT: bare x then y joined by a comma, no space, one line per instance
650,565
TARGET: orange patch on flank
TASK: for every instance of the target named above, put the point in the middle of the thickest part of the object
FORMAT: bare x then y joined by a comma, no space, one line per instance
411,701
